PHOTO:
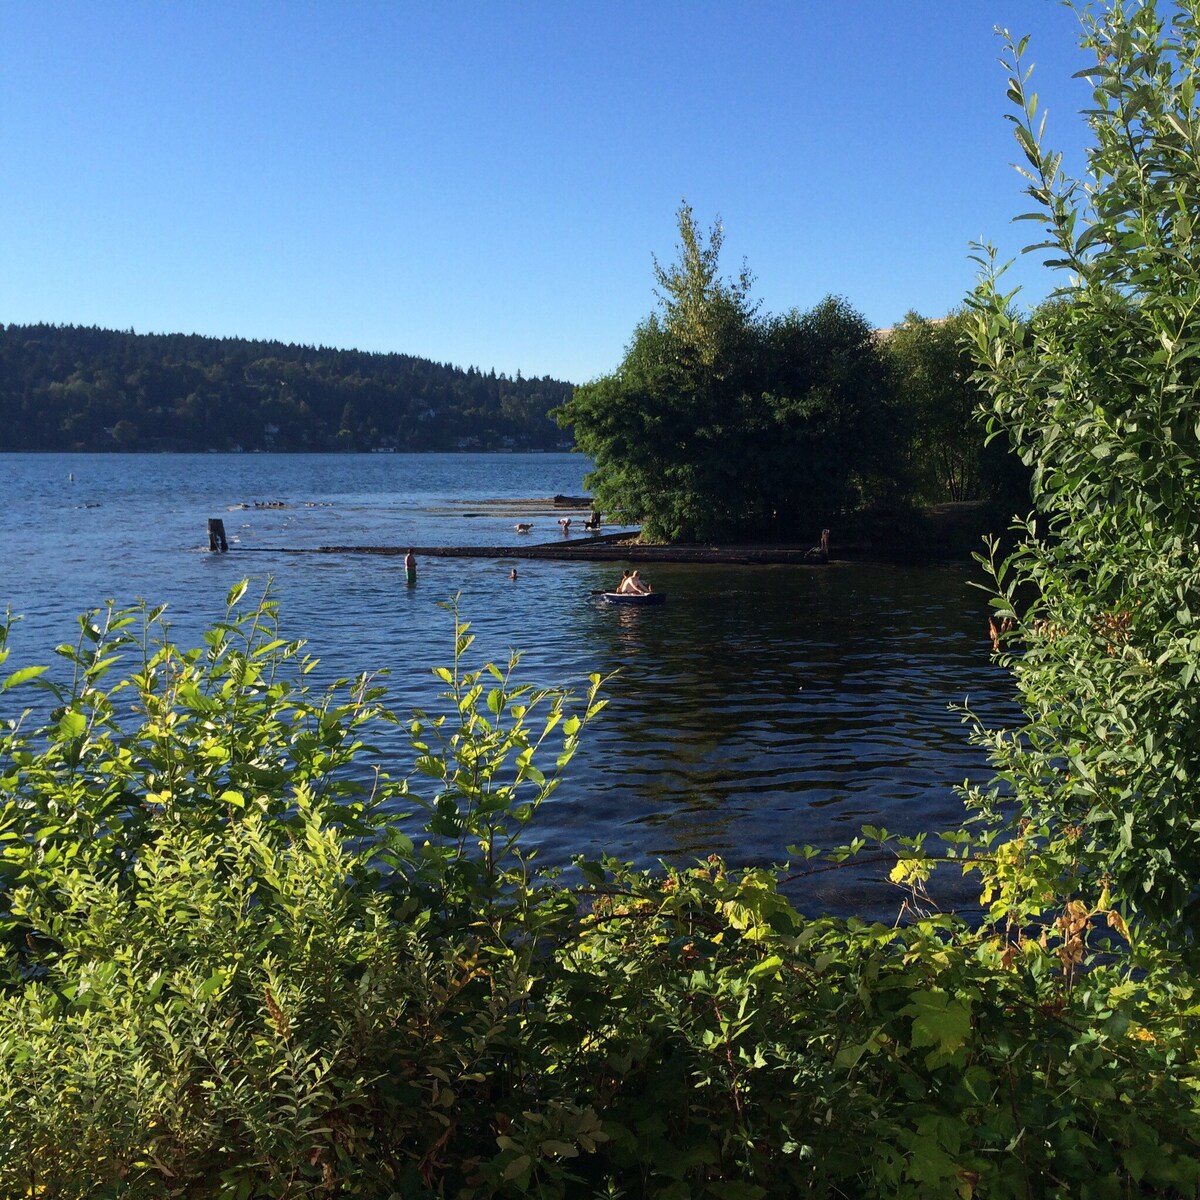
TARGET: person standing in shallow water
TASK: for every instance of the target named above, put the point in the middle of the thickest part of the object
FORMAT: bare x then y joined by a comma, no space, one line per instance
410,567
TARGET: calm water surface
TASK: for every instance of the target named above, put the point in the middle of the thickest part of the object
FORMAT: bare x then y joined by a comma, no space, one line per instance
760,707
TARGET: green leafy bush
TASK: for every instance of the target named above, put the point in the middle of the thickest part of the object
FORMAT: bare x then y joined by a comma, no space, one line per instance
1100,393
232,970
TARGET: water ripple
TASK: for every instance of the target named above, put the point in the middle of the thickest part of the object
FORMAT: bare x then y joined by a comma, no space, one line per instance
759,707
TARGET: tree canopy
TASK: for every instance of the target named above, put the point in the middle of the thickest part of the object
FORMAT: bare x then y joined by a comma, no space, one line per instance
721,422
941,398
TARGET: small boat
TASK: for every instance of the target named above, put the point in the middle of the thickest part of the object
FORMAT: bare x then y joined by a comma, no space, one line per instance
633,597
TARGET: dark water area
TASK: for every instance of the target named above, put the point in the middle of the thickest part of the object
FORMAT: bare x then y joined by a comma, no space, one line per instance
759,707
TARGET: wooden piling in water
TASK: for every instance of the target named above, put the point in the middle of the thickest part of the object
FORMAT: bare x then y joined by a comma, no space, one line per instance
216,535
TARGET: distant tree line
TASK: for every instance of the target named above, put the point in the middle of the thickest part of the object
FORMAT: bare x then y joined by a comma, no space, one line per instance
722,422
74,388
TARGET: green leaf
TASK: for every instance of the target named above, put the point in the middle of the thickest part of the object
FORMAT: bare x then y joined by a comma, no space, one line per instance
22,676
518,1166
72,725
211,985
592,871
768,966
528,771
938,1020
431,765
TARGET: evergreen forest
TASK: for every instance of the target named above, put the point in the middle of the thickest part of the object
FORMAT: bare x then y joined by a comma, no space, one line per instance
66,387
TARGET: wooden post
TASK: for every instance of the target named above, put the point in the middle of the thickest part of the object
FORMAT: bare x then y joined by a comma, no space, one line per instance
216,535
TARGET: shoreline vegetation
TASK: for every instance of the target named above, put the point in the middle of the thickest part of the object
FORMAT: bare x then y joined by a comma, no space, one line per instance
726,425
245,956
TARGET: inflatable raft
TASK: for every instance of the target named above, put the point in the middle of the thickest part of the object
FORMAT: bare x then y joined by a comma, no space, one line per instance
633,597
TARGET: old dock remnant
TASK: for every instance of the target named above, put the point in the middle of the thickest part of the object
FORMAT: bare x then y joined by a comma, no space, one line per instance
216,535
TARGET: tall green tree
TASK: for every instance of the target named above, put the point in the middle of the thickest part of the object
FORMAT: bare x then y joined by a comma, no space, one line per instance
664,429
937,369
831,439
1100,393
707,316
949,455
721,422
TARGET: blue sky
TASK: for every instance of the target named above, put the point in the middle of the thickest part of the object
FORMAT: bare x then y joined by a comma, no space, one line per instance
485,183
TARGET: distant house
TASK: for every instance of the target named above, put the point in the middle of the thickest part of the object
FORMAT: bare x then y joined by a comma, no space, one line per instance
882,335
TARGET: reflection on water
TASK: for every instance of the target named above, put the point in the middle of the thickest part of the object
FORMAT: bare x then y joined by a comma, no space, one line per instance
759,707
763,707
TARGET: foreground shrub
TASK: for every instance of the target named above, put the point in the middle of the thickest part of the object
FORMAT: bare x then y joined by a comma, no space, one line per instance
1100,393
231,970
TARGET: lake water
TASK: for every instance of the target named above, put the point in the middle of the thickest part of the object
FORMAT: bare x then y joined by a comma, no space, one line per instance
759,707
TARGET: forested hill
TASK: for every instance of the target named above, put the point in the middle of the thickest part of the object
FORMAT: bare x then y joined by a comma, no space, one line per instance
74,388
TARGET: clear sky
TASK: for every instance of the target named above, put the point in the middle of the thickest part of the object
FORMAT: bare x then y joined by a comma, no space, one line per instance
484,183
